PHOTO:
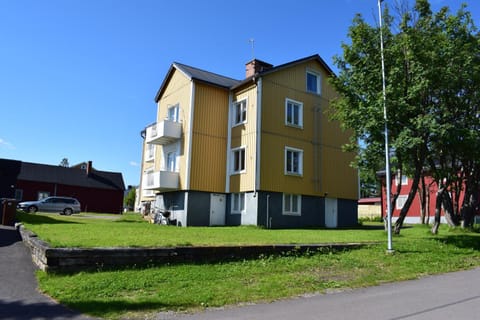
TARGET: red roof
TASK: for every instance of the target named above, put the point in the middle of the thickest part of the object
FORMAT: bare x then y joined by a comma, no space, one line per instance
369,200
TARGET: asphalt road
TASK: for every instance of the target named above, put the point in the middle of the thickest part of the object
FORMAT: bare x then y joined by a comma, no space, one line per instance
444,297
19,297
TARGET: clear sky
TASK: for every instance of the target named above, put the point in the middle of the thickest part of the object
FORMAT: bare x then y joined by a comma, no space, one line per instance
78,77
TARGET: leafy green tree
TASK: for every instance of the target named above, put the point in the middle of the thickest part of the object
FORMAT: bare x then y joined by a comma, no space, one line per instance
129,200
64,163
431,98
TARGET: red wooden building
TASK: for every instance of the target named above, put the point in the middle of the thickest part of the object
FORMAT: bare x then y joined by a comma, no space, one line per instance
97,191
414,212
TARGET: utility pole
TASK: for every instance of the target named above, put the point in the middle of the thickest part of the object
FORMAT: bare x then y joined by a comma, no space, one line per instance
387,151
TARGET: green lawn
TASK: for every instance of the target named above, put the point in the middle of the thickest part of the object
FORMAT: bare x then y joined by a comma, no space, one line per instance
130,230
141,292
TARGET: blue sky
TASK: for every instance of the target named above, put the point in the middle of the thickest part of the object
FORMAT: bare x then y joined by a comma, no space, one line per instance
78,77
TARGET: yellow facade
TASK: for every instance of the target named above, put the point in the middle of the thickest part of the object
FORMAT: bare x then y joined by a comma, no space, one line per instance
177,92
204,160
209,139
326,169
245,135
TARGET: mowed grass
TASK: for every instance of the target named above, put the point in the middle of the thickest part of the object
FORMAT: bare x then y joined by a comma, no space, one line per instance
131,230
141,293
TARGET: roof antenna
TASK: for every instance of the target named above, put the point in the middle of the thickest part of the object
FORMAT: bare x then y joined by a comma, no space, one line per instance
252,43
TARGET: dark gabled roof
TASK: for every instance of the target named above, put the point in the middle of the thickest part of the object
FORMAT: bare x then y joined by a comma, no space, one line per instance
314,57
229,83
199,75
299,61
71,176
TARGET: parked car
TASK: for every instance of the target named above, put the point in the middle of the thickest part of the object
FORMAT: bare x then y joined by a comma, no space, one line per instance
63,205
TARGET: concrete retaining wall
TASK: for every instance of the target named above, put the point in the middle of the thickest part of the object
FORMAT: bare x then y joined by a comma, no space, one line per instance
76,259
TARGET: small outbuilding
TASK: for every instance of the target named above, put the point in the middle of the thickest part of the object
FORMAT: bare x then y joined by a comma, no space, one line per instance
97,191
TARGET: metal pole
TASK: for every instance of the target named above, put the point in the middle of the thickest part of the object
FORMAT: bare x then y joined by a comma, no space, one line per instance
387,153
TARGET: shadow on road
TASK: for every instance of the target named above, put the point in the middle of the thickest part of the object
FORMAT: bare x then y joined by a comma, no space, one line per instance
8,236
26,311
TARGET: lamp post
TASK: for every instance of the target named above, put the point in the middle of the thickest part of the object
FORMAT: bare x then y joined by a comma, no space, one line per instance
387,151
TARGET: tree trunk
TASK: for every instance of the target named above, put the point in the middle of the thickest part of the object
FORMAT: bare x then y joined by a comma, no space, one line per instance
410,198
467,212
470,202
447,204
422,194
394,198
438,210
428,205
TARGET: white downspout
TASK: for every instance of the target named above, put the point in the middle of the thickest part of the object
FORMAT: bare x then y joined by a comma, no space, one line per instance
190,136
258,137
188,165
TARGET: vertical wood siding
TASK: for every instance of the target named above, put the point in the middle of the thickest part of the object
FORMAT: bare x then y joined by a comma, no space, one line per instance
326,168
246,135
209,139
178,91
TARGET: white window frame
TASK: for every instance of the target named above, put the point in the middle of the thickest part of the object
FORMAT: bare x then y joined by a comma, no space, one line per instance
299,171
287,204
238,203
404,180
295,104
242,166
318,84
173,116
400,202
42,195
18,194
240,112
149,178
150,156
171,161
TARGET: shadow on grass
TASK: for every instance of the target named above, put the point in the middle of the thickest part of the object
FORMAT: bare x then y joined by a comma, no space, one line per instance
464,241
29,218
118,307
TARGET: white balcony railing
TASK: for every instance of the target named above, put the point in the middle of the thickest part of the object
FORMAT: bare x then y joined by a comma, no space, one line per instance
161,180
164,132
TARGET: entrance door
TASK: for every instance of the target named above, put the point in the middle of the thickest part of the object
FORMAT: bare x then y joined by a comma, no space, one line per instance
331,215
217,209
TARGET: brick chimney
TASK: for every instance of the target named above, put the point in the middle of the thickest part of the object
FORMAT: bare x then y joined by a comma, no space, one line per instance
255,66
89,167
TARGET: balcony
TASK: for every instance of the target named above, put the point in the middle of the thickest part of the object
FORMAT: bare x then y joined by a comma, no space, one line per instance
164,132
161,181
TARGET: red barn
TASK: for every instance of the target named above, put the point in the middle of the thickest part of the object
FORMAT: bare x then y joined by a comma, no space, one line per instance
97,191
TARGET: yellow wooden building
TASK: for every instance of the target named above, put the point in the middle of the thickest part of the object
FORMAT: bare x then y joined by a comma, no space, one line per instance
257,151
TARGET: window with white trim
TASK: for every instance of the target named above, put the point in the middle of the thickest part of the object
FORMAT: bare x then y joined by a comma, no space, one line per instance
238,159
171,161
292,204
313,82
404,180
43,195
238,202
400,202
240,112
293,161
18,194
150,152
173,113
293,113
149,177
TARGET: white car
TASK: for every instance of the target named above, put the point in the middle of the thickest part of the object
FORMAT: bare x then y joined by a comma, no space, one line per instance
63,205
